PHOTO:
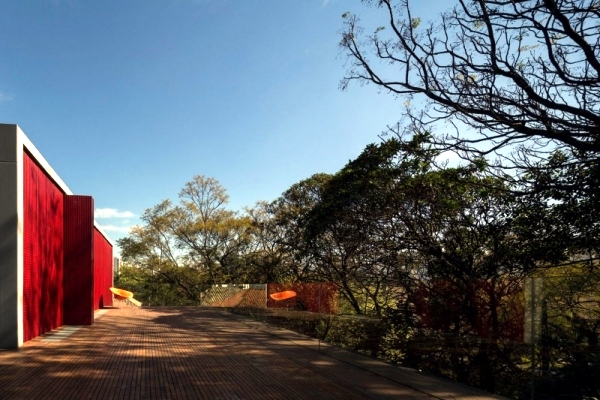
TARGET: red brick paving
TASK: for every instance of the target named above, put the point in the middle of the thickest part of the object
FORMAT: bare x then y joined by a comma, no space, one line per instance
188,353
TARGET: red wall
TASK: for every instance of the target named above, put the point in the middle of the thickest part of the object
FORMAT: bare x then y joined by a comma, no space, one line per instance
42,251
67,262
439,304
315,296
79,260
103,278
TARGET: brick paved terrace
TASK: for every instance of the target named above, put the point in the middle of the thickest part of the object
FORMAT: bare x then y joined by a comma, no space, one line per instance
201,353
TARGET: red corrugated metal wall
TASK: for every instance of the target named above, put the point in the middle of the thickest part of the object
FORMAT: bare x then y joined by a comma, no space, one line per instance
79,260
67,262
42,251
102,271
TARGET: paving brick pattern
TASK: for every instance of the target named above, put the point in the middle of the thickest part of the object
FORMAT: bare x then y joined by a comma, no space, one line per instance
196,353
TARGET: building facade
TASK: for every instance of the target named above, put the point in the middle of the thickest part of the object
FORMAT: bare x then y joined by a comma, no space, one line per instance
55,261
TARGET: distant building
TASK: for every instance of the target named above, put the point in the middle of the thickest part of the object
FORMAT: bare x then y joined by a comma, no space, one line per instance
116,266
55,261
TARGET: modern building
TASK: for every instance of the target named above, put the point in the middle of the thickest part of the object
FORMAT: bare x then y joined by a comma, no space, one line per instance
56,263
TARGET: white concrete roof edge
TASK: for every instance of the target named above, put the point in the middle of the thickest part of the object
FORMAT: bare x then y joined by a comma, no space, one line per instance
39,158
97,226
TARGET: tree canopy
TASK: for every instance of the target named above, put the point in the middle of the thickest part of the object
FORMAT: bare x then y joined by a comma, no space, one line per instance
523,75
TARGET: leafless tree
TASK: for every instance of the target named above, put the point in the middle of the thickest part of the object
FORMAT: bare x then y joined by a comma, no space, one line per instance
522,75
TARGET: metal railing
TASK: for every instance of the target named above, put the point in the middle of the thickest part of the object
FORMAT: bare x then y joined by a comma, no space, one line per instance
534,338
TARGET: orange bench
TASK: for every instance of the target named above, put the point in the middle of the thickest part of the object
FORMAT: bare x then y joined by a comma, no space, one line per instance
288,294
124,295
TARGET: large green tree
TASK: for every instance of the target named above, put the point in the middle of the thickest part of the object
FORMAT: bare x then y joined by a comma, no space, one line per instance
193,244
445,242
289,215
270,256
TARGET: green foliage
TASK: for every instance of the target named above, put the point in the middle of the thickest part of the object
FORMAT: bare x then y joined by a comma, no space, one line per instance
566,198
568,347
289,219
152,289
181,248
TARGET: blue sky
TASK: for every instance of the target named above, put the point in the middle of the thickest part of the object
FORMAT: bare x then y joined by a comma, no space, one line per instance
128,100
